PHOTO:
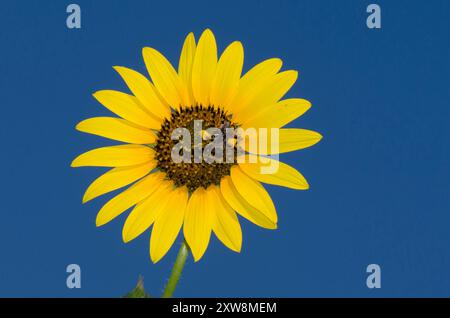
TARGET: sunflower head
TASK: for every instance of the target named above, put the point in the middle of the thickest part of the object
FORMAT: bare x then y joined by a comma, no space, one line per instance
187,113
193,174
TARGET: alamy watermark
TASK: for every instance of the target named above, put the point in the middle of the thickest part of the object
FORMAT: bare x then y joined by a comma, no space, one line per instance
73,20
374,279
74,278
227,146
374,19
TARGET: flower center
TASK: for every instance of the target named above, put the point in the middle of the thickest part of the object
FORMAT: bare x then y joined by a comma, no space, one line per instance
195,172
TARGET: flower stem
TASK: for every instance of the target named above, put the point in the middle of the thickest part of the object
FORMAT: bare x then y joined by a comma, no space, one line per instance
176,270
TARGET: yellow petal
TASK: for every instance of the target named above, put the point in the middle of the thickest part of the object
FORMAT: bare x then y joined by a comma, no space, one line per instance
225,222
117,178
114,156
271,91
125,200
198,222
290,139
228,73
254,193
185,65
204,67
117,129
272,171
166,79
241,206
144,91
253,82
127,107
145,212
168,224
279,114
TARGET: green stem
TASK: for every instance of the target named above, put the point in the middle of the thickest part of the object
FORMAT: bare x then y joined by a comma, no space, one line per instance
176,270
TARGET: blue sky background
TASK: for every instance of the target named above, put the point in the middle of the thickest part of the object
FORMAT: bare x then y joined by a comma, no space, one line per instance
380,178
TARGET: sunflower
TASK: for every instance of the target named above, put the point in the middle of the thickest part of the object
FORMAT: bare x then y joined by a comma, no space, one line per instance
199,197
